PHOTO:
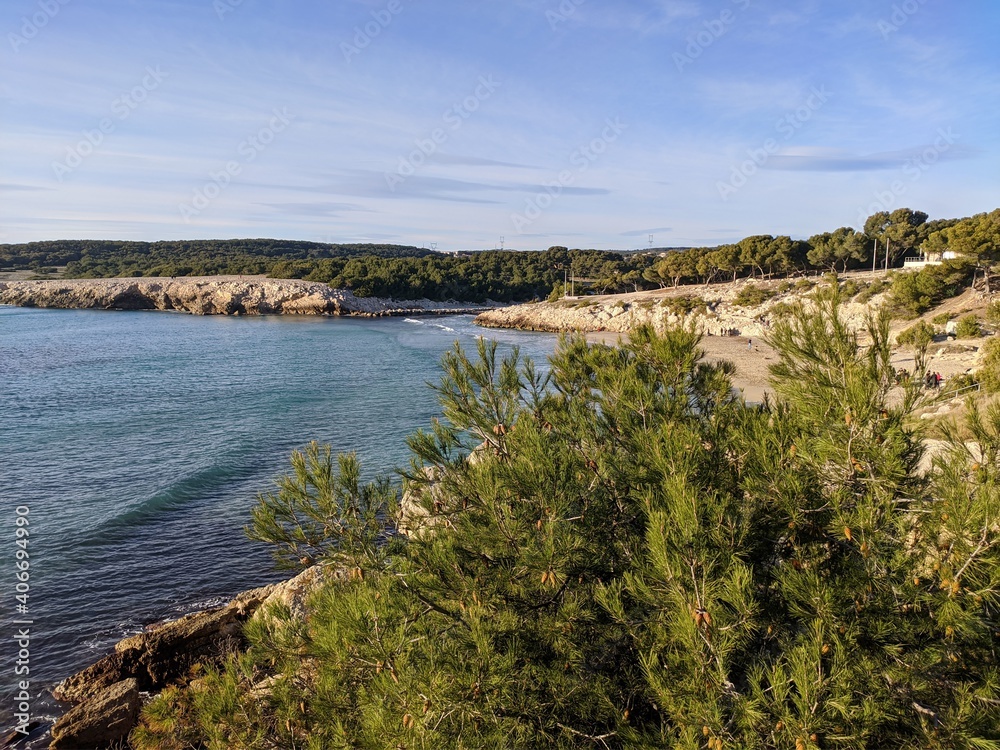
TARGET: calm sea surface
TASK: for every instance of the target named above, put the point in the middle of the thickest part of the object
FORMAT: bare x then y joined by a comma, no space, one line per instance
139,441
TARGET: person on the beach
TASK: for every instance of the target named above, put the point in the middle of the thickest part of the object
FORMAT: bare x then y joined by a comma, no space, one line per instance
749,345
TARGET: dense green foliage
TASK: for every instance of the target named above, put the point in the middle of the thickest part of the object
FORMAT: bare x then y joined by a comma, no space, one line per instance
968,327
623,555
989,372
752,295
915,292
976,239
496,275
97,259
917,336
993,313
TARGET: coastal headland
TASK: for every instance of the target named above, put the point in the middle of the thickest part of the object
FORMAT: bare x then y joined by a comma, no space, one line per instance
217,295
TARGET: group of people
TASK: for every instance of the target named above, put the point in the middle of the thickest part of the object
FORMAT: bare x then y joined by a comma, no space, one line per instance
932,380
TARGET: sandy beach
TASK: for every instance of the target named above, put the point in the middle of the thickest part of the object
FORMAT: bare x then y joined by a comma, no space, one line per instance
752,365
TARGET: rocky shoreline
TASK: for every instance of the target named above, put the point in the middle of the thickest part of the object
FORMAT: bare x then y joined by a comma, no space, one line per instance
108,695
218,295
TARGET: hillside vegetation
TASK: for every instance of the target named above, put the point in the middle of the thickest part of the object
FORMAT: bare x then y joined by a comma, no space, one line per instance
414,273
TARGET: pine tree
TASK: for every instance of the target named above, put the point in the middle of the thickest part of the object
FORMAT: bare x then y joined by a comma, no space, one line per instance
623,554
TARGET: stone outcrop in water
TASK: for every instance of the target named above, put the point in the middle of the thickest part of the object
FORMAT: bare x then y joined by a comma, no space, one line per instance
214,295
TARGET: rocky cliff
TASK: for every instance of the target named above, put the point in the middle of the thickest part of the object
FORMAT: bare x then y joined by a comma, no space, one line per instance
214,295
717,310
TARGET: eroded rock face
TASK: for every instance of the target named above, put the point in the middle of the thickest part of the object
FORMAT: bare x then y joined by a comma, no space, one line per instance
720,316
214,295
294,592
105,719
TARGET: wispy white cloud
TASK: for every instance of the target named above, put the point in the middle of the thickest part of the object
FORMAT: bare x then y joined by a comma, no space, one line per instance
829,160
644,232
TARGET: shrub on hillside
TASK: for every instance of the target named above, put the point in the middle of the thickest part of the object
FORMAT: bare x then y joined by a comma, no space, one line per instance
875,287
993,313
917,336
915,292
752,295
782,310
968,328
683,304
989,371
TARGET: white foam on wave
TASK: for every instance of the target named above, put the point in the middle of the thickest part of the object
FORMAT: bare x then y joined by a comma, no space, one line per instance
201,605
411,320
109,636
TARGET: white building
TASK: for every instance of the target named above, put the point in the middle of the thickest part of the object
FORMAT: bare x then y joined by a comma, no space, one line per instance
915,262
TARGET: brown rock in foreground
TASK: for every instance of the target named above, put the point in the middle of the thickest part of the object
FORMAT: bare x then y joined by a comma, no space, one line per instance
107,692
167,652
100,722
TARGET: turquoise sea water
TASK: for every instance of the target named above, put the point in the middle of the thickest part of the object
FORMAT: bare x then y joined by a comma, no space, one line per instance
139,440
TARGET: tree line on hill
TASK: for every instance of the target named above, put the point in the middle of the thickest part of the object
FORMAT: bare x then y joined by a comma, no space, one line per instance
109,258
411,273
887,238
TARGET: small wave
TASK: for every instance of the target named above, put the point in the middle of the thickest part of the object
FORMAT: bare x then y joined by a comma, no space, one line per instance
193,487
444,328
101,640
411,320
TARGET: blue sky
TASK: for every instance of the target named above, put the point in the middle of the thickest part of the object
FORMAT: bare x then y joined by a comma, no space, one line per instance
455,123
